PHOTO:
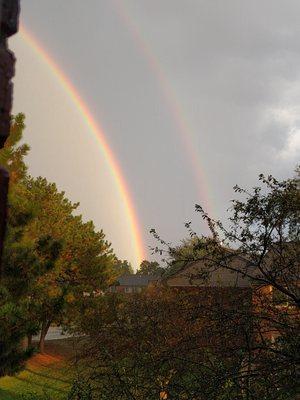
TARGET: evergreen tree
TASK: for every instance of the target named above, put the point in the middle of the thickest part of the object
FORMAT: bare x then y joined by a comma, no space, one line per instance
53,262
13,310
84,265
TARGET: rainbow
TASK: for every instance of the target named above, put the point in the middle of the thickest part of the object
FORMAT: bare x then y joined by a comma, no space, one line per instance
98,133
181,122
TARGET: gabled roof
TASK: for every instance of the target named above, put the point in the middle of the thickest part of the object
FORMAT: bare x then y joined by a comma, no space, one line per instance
203,273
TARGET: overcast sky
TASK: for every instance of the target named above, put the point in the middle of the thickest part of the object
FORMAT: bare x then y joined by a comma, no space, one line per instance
194,96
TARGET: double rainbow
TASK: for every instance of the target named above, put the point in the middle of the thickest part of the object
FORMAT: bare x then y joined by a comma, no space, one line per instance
181,121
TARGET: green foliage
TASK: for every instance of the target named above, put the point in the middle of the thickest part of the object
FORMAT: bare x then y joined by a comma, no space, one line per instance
150,268
122,268
144,346
13,153
260,244
189,250
83,266
159,342
80,391
52,260
13,327
15,323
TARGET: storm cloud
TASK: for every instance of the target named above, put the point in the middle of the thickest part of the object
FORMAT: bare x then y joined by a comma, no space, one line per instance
234,70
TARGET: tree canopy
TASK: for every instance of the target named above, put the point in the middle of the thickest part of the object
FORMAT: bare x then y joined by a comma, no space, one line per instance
52,259
210,342
150,268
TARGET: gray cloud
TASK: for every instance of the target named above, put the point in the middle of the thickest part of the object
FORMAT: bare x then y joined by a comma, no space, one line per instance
234,67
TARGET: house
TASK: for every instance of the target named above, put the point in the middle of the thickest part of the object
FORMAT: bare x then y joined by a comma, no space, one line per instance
203,273
229,283
132,283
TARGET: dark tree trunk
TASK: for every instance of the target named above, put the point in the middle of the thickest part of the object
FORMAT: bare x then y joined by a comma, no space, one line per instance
9,17
29,341
45,327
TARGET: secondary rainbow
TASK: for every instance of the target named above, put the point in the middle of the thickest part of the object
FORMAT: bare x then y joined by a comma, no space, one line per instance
181,122
98,133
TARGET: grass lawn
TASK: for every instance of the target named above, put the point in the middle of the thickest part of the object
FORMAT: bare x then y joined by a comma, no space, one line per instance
45,374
